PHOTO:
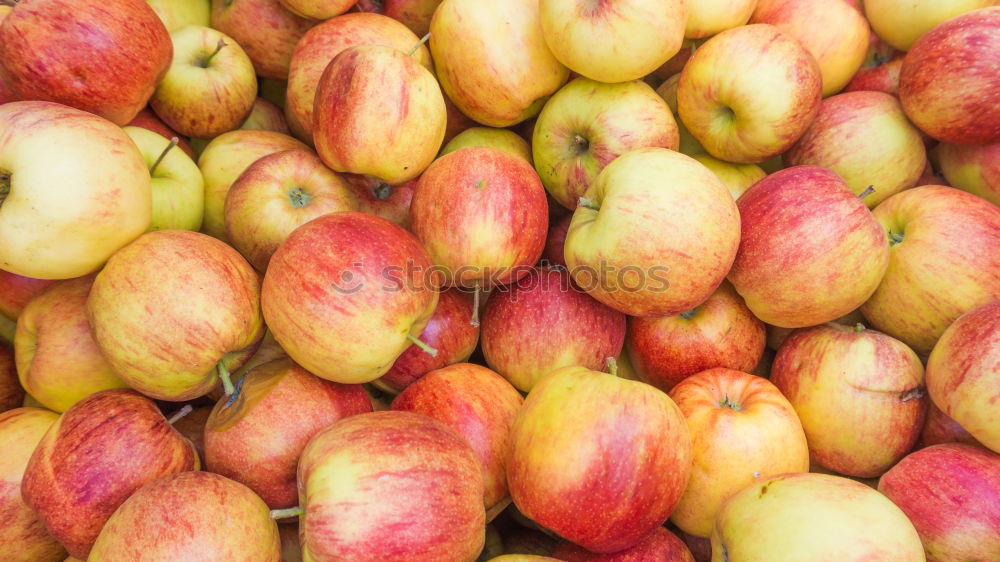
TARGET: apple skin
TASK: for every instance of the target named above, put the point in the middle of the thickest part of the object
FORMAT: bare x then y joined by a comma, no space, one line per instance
555,243
948,82
317,9
376,197
449,331
178,515
951,493
245,20
83,210
790,518
963,373
612,250
882,77
256,438
587,124
866,139
479,405
343,293
736,177
266,116
720,332
16,291
706,19
613,42
946,263
23,536
176,14
148,120
939,428
492,60
482,215
414,14
178,188
749,93
400,463
543,323
630,450
660,545
503,139
276,195
128,443
859,394
819,258
972,168
108,67
378,112
170,287
901,22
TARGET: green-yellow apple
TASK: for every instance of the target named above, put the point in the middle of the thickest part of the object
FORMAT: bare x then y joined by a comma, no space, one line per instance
736,177
810,251
317,9
797,517
265,116
268,351
210,87
256,438
668,91
859,393
16,291
749,93
148,120
479,405
178,188
614,40
742,430
482,215
171,308
587,124
376,197
945,261
880,70
939,428
867,140
503,139
276,195
224,159
93,458
378,112
362,480
11,392
720,332
106,66
414,14
65,220
176,14
707,18
901,22
323,43
660,545
972,168
347,293
58,361
949,79
265,29
588,443
23,536
654,235
492,60
190,515
963,373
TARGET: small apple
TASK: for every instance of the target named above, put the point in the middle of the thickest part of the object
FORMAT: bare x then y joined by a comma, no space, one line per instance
317,9
16,291
901,22
972,168
176,14
178,188
555,243
707,18
503,139
736,177
414,14
376,197
265,29
883,76
148,120
266,116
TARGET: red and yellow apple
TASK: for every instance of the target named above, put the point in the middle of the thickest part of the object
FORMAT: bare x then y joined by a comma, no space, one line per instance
660,545
972,168
503,139
265,29
901,22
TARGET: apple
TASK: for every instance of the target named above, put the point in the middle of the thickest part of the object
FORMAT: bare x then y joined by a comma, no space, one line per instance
11,392
949,79
523,558
939,428
481,214
749,93
492,59
555,243
951,493
346,294
859,393
813,517
625,246
266,116
126,443
883,76
178,517
317,9
178,188
376,197
265,29
323,43
660,544
810,250
192,426
613,41
668,91
171,309
901,22
107,67
945,248
480,406
448,331
972,168
503,139
224,159
65,220
378,112
400,463
521,540
148,120
414,14
587,124
866,139
777,335
276,195
256,437
268,351
210,87
720,332
709,18
736,177
962,373
176,14
16,291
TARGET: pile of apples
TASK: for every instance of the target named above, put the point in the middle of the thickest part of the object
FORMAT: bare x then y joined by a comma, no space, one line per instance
511,280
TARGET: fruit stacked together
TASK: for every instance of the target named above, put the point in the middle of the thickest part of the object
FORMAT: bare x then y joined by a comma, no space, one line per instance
448,280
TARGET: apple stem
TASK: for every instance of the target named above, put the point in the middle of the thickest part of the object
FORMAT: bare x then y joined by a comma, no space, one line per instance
588,203
173,143
382,191
580,144
475,308
912,394
227,382
689,314
287,512
419,43
868,191
11,3
895,238
612,366
180,414
208,59
859,327
426,348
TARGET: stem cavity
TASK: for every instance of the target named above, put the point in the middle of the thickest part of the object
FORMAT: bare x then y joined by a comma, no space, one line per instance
299,197
580,145
287,512
208,59
382,191
171,145
895,238
419,43
180,414
227,382
426,348
689,314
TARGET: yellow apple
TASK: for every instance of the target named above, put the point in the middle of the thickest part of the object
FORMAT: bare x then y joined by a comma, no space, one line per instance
176,14
503,139
901,22
178,188
736,177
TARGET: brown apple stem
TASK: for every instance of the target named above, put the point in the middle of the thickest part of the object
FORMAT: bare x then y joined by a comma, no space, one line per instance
475,308
612,366
287,512
895,238
227,382
912,394
419,43
208,59
10,3
180,414
173,143
588,204
426,348
868,191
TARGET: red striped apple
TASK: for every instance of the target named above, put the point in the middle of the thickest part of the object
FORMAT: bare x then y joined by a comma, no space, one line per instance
939,428
317,9
660,545
265,29
376,197
16,291
972,168
883,76
414,14
555,243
